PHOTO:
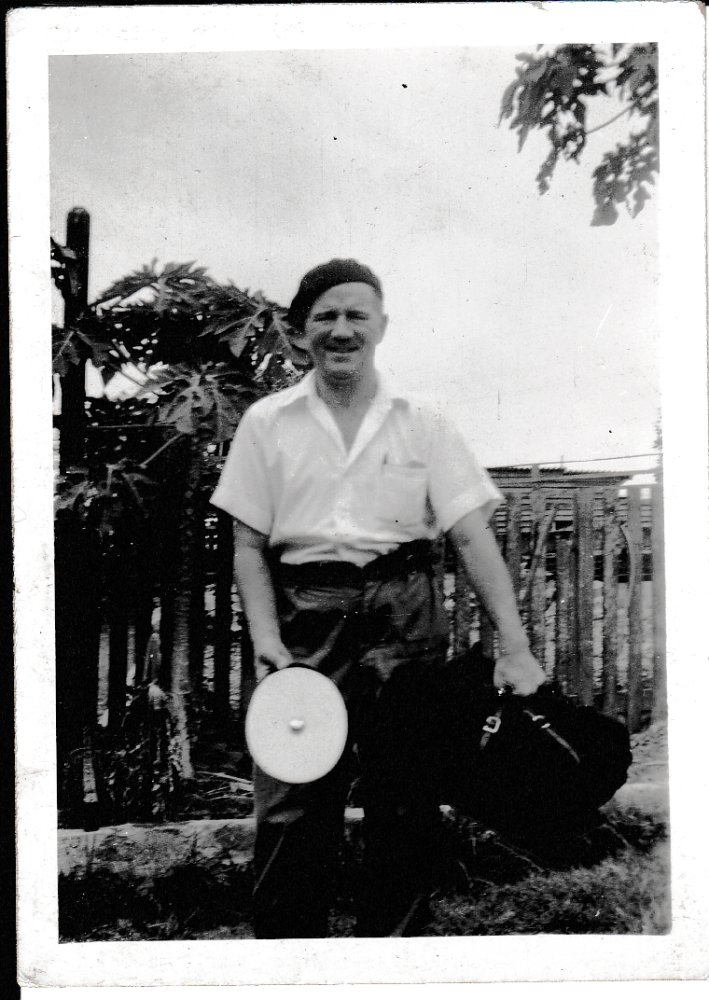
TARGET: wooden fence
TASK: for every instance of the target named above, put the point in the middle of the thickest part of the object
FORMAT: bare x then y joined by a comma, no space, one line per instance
586,563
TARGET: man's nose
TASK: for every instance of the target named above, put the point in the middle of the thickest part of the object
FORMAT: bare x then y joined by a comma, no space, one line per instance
341,327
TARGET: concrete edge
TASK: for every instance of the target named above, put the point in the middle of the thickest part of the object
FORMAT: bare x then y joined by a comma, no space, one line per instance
144,852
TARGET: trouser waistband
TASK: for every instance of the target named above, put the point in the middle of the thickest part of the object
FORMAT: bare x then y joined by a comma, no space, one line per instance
410,557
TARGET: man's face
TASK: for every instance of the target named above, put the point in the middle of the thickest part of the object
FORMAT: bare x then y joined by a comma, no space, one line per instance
342,331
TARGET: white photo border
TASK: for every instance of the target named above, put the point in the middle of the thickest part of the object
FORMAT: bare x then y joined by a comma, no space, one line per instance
36,33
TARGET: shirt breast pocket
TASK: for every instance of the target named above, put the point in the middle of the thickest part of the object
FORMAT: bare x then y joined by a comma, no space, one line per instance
401,495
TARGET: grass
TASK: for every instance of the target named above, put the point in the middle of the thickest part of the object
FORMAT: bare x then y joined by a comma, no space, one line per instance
627,894
614,882
189,904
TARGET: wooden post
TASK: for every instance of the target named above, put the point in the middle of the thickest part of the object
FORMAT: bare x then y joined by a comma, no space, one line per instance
462,614
247,680
635,680
438,558
584,595
117,614
513,551
72,435
487,628
168,524
612,546
659,680
197,613
142,618
77,576
223,616
537,597
565,624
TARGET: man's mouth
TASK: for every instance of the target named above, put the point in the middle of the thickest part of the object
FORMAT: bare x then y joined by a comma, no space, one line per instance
342,348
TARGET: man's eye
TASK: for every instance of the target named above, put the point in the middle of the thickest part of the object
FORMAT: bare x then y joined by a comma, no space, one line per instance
329,318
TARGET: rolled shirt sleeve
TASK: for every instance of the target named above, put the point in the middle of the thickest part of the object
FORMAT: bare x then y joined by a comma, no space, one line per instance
243,489
458,483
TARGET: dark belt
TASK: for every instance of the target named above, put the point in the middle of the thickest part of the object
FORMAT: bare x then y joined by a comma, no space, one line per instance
411,557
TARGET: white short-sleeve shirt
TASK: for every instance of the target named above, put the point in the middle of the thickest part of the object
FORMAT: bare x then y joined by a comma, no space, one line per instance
409,474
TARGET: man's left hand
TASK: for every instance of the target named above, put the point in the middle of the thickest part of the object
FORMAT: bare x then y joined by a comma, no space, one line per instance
519,670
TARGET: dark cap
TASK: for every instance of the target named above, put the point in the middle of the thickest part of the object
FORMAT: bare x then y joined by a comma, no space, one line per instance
324,276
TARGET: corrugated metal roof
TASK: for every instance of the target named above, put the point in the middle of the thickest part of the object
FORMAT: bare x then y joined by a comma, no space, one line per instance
561,470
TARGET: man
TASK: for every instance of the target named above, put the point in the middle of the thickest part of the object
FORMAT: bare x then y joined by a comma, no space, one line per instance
338,485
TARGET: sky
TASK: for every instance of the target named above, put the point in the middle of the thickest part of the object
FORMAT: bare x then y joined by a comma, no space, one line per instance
534,331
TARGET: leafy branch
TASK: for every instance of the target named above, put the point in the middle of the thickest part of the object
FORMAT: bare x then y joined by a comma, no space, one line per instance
552,92
120,495
201,403
192,355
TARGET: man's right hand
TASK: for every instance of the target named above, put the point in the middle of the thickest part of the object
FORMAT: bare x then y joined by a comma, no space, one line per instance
270,654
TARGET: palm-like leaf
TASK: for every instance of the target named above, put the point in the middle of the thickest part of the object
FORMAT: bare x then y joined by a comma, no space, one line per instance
203,403
125,288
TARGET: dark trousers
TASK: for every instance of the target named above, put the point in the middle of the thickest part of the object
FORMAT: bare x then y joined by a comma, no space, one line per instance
379,640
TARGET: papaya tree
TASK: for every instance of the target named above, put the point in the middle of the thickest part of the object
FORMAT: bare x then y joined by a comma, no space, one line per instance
192,354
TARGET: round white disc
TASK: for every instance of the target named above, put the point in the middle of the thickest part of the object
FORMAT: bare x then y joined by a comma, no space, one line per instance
296,725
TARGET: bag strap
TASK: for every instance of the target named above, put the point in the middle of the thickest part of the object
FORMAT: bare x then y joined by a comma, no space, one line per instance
493,722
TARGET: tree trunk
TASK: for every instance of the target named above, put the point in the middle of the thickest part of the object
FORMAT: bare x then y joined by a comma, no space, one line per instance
181,688
175,626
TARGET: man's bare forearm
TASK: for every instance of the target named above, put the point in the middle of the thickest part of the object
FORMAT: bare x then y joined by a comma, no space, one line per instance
253,579
486,569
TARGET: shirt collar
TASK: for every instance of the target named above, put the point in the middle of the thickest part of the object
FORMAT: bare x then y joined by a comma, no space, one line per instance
386,393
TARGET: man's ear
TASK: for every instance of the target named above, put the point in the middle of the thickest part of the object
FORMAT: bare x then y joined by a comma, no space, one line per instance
382,331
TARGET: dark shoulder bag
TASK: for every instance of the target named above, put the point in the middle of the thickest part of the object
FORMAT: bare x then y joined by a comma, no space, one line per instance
531,768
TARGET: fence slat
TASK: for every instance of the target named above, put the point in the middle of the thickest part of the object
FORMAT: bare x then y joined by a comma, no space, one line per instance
197,611
223,615
462,613
247,681
565,621
635,680
487,629
438,558
612,546
537,597
584,595
117,617
659,679
513,549
142,621
169,548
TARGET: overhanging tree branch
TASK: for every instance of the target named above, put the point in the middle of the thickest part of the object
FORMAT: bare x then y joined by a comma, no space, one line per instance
552,92
597,128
